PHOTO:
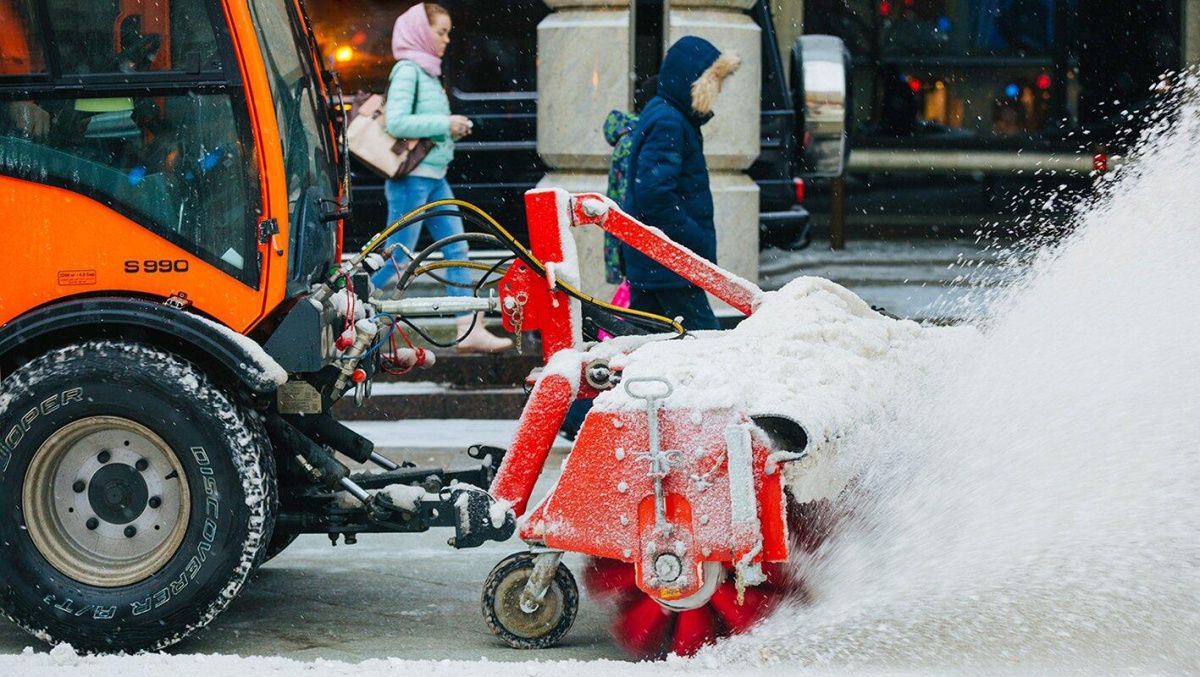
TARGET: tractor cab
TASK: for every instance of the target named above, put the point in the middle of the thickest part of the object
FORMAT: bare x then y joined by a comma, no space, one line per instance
124,123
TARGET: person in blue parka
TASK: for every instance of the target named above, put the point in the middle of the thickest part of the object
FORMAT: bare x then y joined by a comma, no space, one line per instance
668,178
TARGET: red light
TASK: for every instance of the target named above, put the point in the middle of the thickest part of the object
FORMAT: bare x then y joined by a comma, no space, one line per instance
1100,162
914,84
885,8
1043,81
799,184
908,3
358,376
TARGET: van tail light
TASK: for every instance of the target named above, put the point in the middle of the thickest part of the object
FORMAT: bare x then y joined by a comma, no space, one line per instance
1100,162
799,184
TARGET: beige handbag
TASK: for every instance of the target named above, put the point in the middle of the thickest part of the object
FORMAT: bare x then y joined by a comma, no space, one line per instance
384,154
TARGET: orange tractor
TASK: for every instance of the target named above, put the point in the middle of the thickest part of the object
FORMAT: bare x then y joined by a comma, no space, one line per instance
178,319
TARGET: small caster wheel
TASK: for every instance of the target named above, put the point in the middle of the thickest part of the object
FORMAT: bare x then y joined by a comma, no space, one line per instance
544,626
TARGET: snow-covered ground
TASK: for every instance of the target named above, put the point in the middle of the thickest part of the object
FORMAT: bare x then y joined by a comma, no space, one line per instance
64,662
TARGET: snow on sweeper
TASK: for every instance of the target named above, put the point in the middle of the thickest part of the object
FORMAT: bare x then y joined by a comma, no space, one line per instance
178,319
682,509
707,461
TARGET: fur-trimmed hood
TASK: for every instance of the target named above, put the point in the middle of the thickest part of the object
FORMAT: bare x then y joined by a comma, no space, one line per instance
691,76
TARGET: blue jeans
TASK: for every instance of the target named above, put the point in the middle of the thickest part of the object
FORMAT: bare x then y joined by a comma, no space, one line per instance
406,194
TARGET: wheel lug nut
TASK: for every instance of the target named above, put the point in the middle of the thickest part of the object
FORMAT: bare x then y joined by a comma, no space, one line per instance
104,456
79,486
130,531
155,501
141,465
92,523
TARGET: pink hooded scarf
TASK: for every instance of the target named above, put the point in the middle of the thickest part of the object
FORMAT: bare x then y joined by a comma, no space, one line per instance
412,39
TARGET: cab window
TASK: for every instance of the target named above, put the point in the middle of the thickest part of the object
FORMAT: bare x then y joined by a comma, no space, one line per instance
20,49
305,134
157,132
139,36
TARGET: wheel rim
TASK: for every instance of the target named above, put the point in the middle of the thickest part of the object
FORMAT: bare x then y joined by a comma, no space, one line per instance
106,501
526,625
713,575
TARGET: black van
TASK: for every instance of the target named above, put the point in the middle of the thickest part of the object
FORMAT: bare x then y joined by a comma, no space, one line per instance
490,72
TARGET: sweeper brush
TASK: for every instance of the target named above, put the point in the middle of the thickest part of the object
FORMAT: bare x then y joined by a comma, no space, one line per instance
650,628
681,510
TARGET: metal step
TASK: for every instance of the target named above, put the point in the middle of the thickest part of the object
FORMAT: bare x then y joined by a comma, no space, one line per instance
455,387
473,371
434,401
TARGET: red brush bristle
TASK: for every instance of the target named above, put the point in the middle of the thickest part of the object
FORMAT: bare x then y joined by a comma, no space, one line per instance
647,630
605,577
641,626
693,630
739,618
778,579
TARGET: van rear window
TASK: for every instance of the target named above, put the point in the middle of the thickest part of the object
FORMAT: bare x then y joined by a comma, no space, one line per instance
493,45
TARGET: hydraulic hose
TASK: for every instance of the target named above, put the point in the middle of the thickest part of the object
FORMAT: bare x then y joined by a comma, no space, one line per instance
475,215
425,253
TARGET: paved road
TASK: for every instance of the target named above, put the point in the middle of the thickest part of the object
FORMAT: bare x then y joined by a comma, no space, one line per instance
406,596
945,280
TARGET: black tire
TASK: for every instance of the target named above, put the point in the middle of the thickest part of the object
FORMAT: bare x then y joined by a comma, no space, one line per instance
501,609
225,510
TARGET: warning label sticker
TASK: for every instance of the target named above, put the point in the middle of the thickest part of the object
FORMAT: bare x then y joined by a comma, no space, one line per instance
76,278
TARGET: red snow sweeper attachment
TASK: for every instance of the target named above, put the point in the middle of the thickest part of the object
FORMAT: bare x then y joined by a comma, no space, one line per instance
681,511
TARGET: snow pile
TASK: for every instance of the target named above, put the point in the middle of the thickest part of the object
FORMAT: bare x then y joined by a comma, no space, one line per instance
813,351
1035,503
63,661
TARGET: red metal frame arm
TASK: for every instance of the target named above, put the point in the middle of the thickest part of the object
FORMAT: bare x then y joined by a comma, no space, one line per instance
596,209
541,419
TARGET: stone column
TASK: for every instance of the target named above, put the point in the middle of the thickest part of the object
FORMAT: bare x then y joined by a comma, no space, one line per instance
1191,33
732,139
583,73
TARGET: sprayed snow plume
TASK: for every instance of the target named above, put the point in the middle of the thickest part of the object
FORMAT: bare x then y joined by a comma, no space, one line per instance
1035,503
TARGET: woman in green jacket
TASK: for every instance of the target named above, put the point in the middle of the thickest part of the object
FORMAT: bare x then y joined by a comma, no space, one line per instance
417,108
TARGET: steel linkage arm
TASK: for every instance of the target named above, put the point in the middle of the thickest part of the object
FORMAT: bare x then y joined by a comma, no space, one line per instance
598,210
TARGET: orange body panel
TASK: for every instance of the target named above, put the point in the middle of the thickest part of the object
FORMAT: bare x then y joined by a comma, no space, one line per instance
270,151
59,244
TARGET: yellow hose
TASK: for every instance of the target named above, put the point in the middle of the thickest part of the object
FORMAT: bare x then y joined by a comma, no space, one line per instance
515,244
438,265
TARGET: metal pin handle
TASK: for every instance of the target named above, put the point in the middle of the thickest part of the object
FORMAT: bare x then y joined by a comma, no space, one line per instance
647,394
